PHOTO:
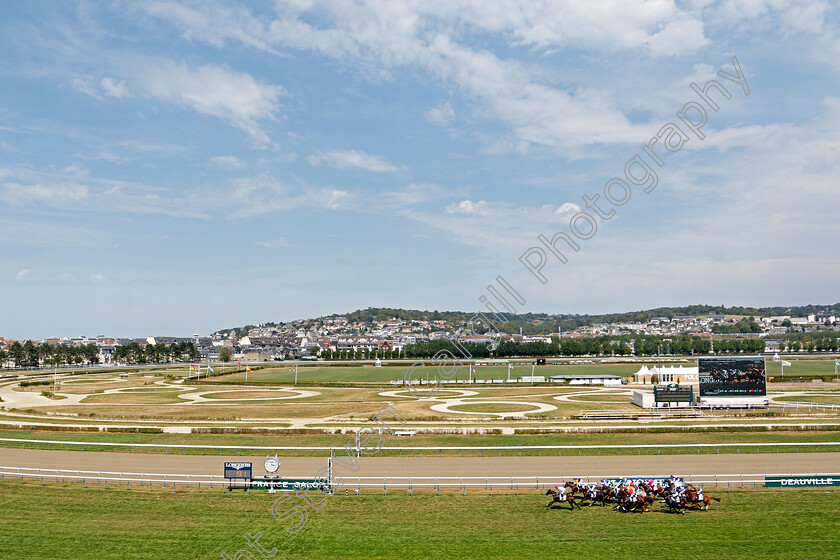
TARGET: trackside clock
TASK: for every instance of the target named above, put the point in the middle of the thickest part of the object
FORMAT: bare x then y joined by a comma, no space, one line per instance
272,464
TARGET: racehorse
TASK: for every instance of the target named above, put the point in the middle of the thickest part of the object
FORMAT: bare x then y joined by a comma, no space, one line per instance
574,488
626,503
703,504
595,493
654,489
674,501
559,498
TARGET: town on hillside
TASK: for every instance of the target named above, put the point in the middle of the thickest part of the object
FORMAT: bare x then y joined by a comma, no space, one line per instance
366,335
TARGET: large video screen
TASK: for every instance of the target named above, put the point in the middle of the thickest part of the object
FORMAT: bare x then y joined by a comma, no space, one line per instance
732,377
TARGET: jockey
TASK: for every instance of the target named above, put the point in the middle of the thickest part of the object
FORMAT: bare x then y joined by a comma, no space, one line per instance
699,494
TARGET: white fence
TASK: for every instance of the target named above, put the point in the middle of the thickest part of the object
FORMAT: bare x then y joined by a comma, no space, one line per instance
362,484
539,483
790,406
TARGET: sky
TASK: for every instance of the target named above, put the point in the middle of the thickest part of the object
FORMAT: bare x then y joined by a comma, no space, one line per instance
171,168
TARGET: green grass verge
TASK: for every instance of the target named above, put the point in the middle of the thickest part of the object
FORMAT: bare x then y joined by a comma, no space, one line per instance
338,440
65,523
492,407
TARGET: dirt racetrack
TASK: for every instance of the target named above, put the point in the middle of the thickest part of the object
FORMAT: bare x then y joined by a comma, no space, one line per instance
764,463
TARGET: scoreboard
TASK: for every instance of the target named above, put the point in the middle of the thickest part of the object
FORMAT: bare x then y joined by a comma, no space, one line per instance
732,377
238,470
673,394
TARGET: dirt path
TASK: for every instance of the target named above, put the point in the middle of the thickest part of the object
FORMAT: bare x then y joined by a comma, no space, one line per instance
784,463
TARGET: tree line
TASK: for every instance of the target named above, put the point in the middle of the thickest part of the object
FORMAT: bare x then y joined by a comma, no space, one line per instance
624,345
134,353
29,354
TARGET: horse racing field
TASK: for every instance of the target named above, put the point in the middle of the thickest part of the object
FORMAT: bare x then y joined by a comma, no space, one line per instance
73,523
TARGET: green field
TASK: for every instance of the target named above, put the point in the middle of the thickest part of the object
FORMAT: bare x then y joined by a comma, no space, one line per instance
492,407
801,368
355,373
64,523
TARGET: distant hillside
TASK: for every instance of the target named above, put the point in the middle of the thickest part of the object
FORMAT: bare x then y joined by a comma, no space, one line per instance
542,323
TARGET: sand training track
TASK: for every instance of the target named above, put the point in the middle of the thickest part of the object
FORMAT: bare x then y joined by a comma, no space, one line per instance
764,463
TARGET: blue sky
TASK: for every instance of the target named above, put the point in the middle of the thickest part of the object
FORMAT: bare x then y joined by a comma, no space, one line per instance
176,168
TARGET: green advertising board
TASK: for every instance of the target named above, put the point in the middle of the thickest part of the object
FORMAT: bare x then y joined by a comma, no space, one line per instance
798,481
291,484
673,394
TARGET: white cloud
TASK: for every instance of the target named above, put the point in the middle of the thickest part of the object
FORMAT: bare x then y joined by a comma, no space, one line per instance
795,15
337,199
24,274
680,35
605,26
441,115
265,194
344,159
467,208
228,161
495,227
97,277
114,88
87,86
20,194
567,207
212,23
413,195
236,97
279,242
98,90
382,34
75,189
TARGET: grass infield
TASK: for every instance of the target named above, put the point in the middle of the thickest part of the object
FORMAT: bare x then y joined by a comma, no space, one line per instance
72,523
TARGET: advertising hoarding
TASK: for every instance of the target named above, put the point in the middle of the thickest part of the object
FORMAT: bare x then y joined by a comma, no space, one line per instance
237,469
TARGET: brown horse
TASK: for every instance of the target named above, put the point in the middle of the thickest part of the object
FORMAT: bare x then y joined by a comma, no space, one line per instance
674,502
654,489
595,494
574,488
625,504
703,504
555,499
